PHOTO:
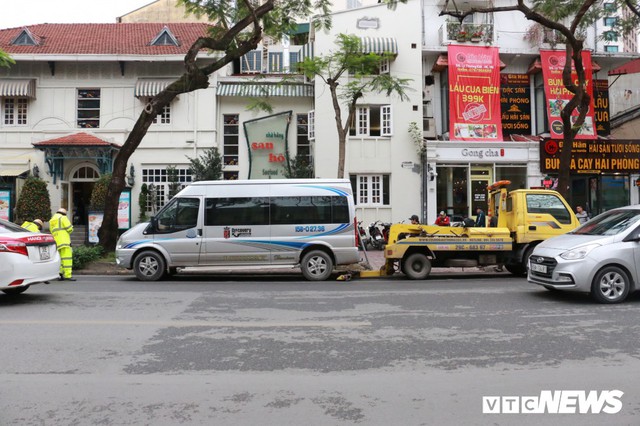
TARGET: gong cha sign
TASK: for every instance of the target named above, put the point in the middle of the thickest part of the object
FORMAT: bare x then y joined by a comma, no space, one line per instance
474,91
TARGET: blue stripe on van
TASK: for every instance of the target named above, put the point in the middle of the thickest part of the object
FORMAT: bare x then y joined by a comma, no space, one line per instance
328,188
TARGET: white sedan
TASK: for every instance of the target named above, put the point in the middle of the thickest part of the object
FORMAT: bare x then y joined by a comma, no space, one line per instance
26,258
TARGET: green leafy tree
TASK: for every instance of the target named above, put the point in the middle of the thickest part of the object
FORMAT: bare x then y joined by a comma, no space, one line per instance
299,167
362,70
172,180
142,203
206,167
5,60
99,193
34,201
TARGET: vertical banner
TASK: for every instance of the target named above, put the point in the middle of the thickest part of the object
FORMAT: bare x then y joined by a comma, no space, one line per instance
516,104
124,209
558,96
5,204
474,93
95,222
601,100
267,142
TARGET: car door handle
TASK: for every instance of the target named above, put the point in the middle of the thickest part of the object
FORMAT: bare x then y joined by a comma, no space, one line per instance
532,227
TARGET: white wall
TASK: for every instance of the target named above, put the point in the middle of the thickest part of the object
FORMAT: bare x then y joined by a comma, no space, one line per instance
377,155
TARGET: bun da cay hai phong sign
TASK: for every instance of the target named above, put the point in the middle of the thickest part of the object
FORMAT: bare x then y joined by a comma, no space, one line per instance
593,156
474,93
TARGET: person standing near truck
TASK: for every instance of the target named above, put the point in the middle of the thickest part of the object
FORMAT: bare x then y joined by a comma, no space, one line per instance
481,218
443,219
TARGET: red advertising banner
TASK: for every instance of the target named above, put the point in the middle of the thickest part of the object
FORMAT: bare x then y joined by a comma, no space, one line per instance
558,96
474,93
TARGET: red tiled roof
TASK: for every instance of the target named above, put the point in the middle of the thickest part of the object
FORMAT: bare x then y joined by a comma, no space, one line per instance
102,39
76,139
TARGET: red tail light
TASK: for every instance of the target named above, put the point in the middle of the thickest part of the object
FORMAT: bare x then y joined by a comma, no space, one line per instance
13,247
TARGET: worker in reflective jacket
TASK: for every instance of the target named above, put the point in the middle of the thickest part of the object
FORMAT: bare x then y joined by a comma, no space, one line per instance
60,228
35,226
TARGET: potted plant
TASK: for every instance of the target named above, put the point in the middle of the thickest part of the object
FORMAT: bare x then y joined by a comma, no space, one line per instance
462,35
476,36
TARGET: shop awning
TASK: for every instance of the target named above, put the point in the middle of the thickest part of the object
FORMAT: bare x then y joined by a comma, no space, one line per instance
146,88
14,87
379,45
263,90
14,171
442,63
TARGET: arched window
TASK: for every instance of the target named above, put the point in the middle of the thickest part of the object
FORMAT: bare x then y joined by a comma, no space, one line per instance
85,173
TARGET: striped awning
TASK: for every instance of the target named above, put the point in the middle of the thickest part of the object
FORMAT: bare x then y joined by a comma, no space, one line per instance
379,45
146,87
14,87
259,90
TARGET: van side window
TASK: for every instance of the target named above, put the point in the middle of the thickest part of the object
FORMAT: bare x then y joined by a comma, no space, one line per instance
237,211
276,210
179,214
550,204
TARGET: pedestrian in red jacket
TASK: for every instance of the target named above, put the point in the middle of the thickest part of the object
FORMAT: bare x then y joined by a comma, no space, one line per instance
443,219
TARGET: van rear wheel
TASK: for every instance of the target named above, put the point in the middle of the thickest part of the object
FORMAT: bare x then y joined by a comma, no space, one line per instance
149,266
316,265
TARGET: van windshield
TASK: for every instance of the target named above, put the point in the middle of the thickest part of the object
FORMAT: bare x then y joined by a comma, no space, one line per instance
609,223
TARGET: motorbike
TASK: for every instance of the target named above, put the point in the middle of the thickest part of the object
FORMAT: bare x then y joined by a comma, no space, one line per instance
375,236
364,239
386,227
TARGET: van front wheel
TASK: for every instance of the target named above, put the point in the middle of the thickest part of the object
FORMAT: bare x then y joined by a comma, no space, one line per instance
149,266
316,265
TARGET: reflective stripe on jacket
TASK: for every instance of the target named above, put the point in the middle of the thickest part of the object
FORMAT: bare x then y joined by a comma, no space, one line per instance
60,228
30,226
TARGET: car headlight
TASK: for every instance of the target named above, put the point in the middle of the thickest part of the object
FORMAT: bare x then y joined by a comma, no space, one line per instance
578,252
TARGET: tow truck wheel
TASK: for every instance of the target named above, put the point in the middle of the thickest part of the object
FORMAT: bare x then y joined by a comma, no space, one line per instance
416,266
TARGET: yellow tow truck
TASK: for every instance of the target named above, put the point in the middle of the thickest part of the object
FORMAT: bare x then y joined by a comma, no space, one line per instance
518,221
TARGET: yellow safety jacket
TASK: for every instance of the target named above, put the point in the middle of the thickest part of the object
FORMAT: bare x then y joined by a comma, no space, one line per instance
30,226
60,228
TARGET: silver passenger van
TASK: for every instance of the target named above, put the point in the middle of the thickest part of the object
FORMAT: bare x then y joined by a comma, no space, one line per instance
308,223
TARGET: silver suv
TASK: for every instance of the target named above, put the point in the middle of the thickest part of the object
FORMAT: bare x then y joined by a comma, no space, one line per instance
600,257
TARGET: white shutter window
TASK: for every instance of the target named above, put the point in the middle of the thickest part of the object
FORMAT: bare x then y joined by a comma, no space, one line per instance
362,121
311,129
385,66
387,120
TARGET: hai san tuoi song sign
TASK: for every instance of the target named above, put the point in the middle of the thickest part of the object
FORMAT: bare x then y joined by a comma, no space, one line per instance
593,157
267,140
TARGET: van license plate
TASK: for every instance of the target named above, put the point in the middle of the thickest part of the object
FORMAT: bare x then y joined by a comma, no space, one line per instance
539,268
44,253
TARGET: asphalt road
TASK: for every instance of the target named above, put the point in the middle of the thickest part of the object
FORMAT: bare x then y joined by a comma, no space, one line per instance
224,350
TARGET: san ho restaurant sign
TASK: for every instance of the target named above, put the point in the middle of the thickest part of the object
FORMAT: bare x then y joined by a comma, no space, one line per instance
267,141
558,96
515,102
593,157
474,93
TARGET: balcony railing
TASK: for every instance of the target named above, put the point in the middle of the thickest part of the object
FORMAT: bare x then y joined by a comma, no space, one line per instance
466,33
